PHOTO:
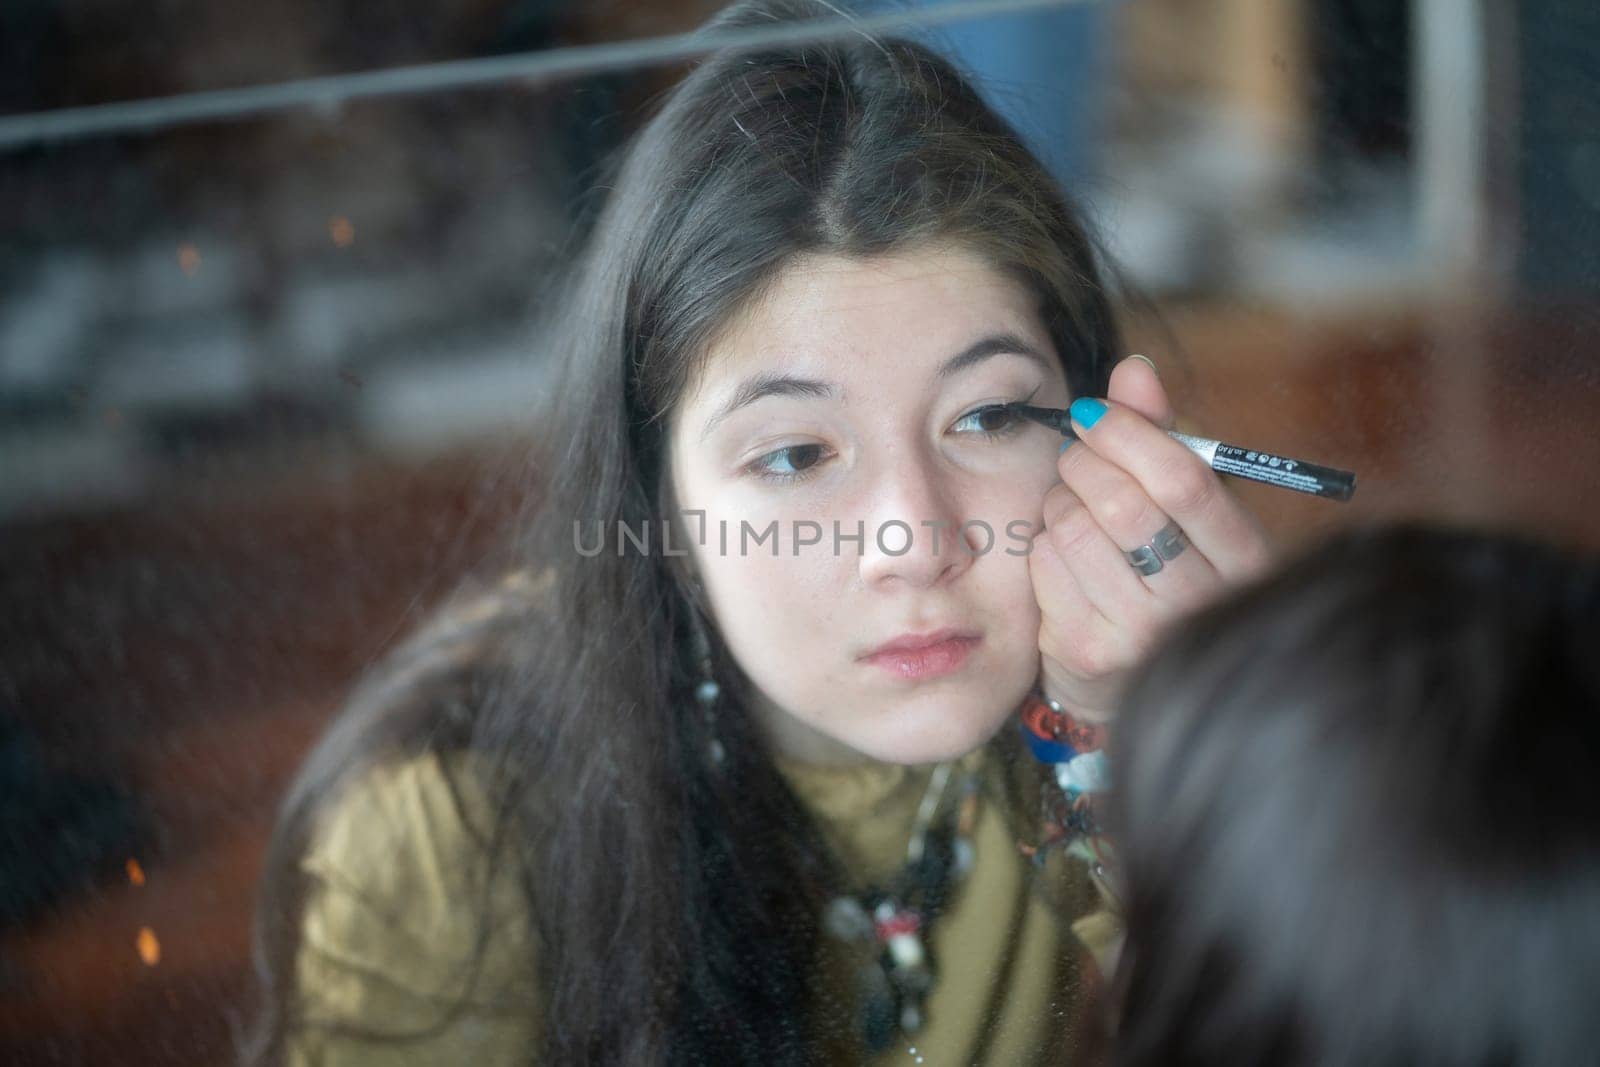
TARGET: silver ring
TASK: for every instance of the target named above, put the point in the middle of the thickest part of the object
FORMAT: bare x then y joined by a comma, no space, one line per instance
1167,545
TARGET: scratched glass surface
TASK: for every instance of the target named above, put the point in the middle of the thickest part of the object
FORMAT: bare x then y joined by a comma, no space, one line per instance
263,372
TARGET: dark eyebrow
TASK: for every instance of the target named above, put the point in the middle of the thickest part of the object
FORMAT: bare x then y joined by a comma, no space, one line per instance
993,345
759,386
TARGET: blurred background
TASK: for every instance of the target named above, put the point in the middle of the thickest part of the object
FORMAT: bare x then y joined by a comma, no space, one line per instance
261,375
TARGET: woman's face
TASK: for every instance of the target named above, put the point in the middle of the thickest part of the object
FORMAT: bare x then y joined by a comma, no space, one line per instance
842,403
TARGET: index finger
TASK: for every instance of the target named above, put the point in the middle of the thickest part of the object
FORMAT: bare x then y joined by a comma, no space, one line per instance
1134,383
1177,480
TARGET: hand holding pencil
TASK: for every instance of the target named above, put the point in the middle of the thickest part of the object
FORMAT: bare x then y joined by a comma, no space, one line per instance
1140,532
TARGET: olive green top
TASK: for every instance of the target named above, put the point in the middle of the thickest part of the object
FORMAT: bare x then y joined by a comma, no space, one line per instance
392,923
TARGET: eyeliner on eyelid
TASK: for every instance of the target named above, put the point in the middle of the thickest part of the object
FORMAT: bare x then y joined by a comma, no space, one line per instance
756,466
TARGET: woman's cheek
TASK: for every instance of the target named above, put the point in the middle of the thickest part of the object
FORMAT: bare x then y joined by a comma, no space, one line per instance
1013,507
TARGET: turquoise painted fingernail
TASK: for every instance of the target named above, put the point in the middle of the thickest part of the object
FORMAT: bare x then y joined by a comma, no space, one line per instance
1086,411
1066,444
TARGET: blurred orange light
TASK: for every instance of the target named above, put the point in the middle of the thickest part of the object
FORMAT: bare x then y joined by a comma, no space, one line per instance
188,258
342,231
149,947
135,872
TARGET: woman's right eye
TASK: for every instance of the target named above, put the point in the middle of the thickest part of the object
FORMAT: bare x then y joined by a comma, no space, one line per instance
787,464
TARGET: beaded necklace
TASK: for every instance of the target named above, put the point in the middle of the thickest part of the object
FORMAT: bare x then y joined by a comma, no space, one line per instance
893,921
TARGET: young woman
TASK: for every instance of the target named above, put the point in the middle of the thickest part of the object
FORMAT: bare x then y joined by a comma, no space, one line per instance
1360,822
723,771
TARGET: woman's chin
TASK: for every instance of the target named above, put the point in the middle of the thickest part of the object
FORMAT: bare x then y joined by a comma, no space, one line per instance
935,733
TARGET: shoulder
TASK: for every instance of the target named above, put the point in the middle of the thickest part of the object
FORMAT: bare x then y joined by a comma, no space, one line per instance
409,836
410,900
402,824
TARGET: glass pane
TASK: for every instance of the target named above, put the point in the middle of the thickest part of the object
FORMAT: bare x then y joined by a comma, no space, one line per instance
264,378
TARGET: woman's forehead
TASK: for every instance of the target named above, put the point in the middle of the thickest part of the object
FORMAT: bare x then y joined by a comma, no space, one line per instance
858,317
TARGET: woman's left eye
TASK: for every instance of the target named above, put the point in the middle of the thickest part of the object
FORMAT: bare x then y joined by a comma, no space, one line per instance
990,420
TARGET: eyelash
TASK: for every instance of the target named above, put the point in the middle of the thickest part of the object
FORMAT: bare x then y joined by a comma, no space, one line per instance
1013,424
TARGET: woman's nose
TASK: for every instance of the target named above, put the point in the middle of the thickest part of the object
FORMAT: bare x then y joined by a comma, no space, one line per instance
912,531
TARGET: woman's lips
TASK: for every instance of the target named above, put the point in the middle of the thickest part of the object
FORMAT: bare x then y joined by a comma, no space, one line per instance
933,655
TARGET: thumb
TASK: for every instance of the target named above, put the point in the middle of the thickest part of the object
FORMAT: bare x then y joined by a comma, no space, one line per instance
1134,384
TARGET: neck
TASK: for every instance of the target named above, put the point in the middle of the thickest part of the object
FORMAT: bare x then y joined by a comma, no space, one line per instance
796,741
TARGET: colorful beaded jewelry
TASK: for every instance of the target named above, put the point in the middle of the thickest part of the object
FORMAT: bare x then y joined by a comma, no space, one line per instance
1076,750
893,922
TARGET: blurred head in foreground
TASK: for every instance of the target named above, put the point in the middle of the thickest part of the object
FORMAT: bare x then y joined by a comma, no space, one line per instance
1361,818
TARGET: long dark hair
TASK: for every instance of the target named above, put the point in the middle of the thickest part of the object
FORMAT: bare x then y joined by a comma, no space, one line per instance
1358,815
677,906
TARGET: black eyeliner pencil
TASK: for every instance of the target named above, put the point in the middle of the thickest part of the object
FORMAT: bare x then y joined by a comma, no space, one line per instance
1252,464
